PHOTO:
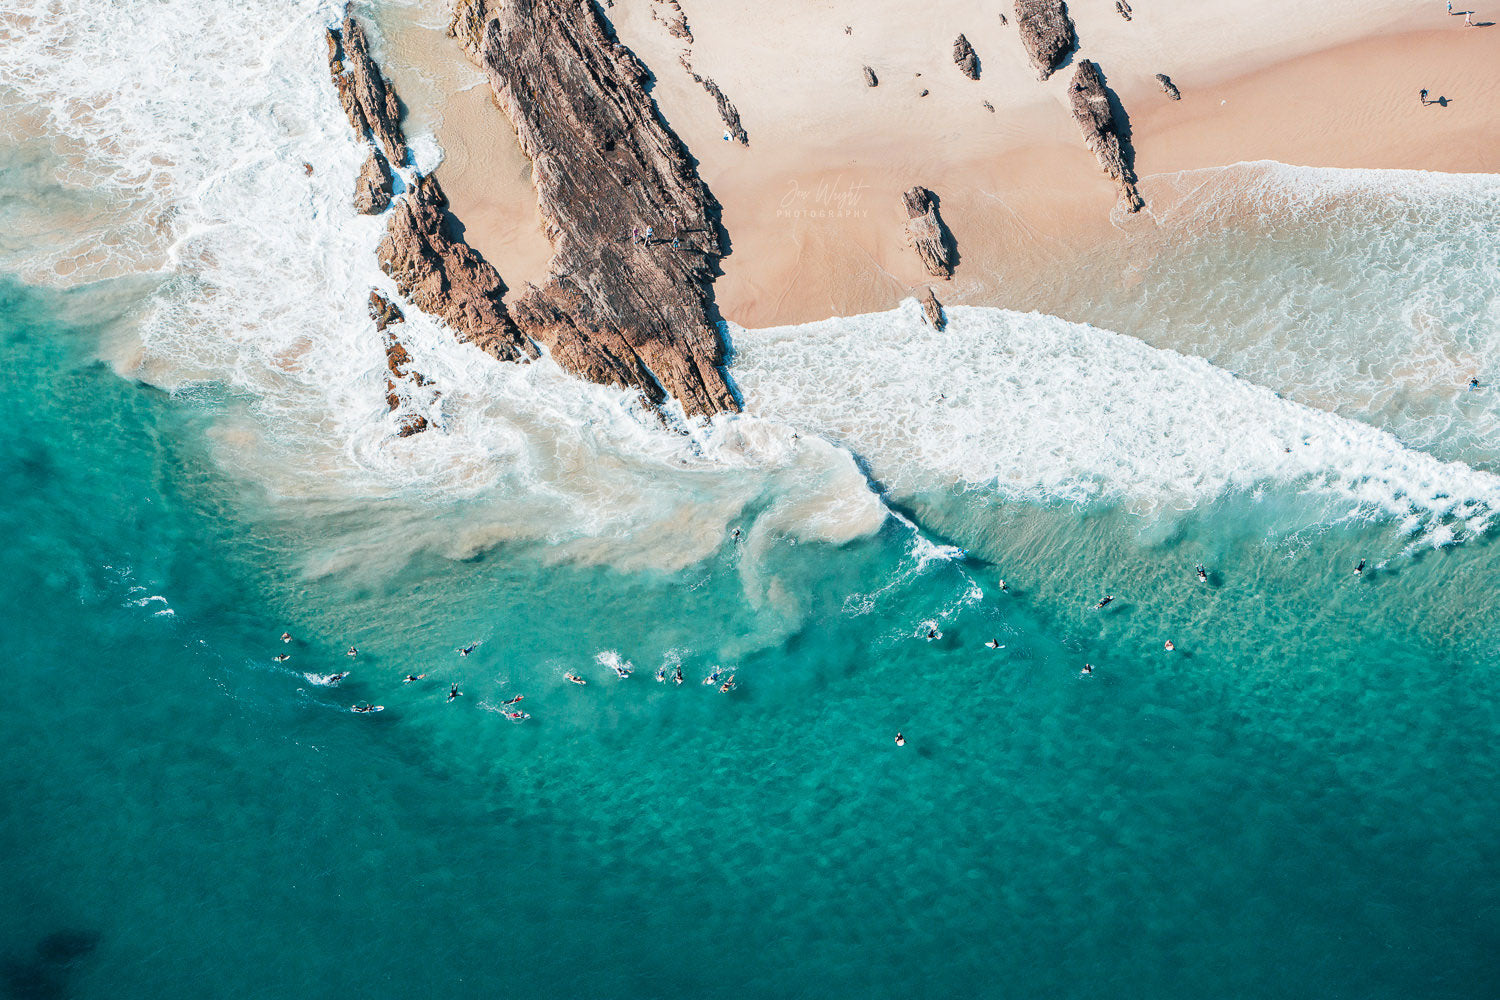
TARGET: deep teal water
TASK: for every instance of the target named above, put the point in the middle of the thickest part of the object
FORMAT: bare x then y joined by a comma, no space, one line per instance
1300,802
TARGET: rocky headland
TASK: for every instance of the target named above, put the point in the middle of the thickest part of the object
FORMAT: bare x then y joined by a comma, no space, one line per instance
634,231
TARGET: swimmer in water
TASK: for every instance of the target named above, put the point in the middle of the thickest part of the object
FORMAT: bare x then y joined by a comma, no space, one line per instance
1003,587
454,692
1169,647
677,675
517,716
1473,383
282,657
286,637
409,678
900,740
1088,668
1202,574
1104,601
1360,569
728,685
575,678
351,651
994,644
512,701
713,678
661,675
933,633
622,669
468,649
735,534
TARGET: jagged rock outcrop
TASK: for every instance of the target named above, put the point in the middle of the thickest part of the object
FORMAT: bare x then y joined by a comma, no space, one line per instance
1047,32
1095,115
727,111
925,232
1168,87
870,78
964,57
368,100
447,278
398,361
932,310
676,20
634,231
372,188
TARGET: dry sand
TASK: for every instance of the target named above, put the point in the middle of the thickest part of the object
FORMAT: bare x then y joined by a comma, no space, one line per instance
813,207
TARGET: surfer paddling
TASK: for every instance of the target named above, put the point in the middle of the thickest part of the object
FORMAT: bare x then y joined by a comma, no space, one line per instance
466,650
1104,601
454,693
575,678
412,678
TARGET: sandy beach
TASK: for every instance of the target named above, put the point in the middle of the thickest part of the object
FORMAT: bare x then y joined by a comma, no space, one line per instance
812,205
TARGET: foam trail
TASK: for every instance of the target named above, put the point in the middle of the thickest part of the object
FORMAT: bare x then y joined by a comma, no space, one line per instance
1041,409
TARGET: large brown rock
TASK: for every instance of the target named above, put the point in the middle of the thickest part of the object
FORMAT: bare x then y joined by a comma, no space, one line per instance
1047,32
446,277
372,188
368,100
924,230
963,55
1094,111
621,307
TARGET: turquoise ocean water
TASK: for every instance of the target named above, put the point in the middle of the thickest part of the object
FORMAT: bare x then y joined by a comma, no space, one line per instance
1298,801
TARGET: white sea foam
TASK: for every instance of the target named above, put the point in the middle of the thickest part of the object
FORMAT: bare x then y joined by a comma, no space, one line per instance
1037,408
1371,293
612,661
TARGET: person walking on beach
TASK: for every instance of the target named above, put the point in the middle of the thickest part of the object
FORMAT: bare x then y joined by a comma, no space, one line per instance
1469,19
